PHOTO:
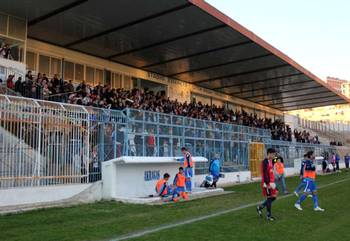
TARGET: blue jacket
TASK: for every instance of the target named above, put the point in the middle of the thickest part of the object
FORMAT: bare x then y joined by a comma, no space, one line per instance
214,167
337,158
347,158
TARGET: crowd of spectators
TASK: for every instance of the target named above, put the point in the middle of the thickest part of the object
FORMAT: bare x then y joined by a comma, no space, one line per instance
41,87
335,143
305,137
56,89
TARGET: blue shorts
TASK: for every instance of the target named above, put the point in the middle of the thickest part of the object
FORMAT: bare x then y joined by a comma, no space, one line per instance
180,189
188,172
310,185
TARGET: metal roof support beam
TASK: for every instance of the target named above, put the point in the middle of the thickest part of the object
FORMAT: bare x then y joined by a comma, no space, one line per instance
306,102
281,92
199,53
240,74
223,64
273,86
293,101
167,41
294,96
322,103
55,12
257,81
156,15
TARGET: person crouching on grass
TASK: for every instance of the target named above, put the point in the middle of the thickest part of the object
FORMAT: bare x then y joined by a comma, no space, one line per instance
180,182
166,191
268,185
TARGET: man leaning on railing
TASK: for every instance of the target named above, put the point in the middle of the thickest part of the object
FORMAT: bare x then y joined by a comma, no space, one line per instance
5,52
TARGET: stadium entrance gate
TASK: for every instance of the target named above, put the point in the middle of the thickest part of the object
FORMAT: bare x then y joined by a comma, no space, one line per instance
256,154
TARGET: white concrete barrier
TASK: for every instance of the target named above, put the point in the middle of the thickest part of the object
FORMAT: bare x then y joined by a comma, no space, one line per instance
34,196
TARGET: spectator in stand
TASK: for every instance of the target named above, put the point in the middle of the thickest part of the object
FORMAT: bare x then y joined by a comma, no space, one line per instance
27,85
151,143
334,143
9,82
68,87
5,52
106,97
29,75
19,85
46,92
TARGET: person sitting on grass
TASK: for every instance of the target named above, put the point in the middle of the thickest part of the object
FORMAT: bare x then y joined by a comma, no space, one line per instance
164,190
180,182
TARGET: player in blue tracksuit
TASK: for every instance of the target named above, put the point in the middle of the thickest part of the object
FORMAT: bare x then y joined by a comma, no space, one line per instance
310,183
214,169
302,184
188,168
337,160
347,161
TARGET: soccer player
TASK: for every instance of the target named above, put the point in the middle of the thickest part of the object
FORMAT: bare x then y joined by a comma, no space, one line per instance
302,184
188,165
179,182
268,184
164,190
309,176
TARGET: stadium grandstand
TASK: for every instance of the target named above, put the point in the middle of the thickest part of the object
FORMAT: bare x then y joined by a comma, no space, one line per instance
84,82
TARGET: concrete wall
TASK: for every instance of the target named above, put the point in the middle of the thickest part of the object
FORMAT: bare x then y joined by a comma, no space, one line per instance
17,199
230,178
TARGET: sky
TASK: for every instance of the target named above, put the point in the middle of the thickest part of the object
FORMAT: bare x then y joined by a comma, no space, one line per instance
314,33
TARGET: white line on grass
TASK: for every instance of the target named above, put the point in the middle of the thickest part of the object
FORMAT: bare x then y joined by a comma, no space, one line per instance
204,217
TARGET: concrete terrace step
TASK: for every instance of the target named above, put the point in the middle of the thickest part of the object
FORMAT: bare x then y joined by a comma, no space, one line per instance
196,194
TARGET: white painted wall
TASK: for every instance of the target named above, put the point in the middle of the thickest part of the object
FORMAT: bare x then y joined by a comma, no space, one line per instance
291,171
230,178
12,67
50,194
291,120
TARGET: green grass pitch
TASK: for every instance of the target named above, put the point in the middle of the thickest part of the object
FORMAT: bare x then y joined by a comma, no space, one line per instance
108,220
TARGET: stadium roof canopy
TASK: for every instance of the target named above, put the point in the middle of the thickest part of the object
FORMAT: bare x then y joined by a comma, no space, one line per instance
187,40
